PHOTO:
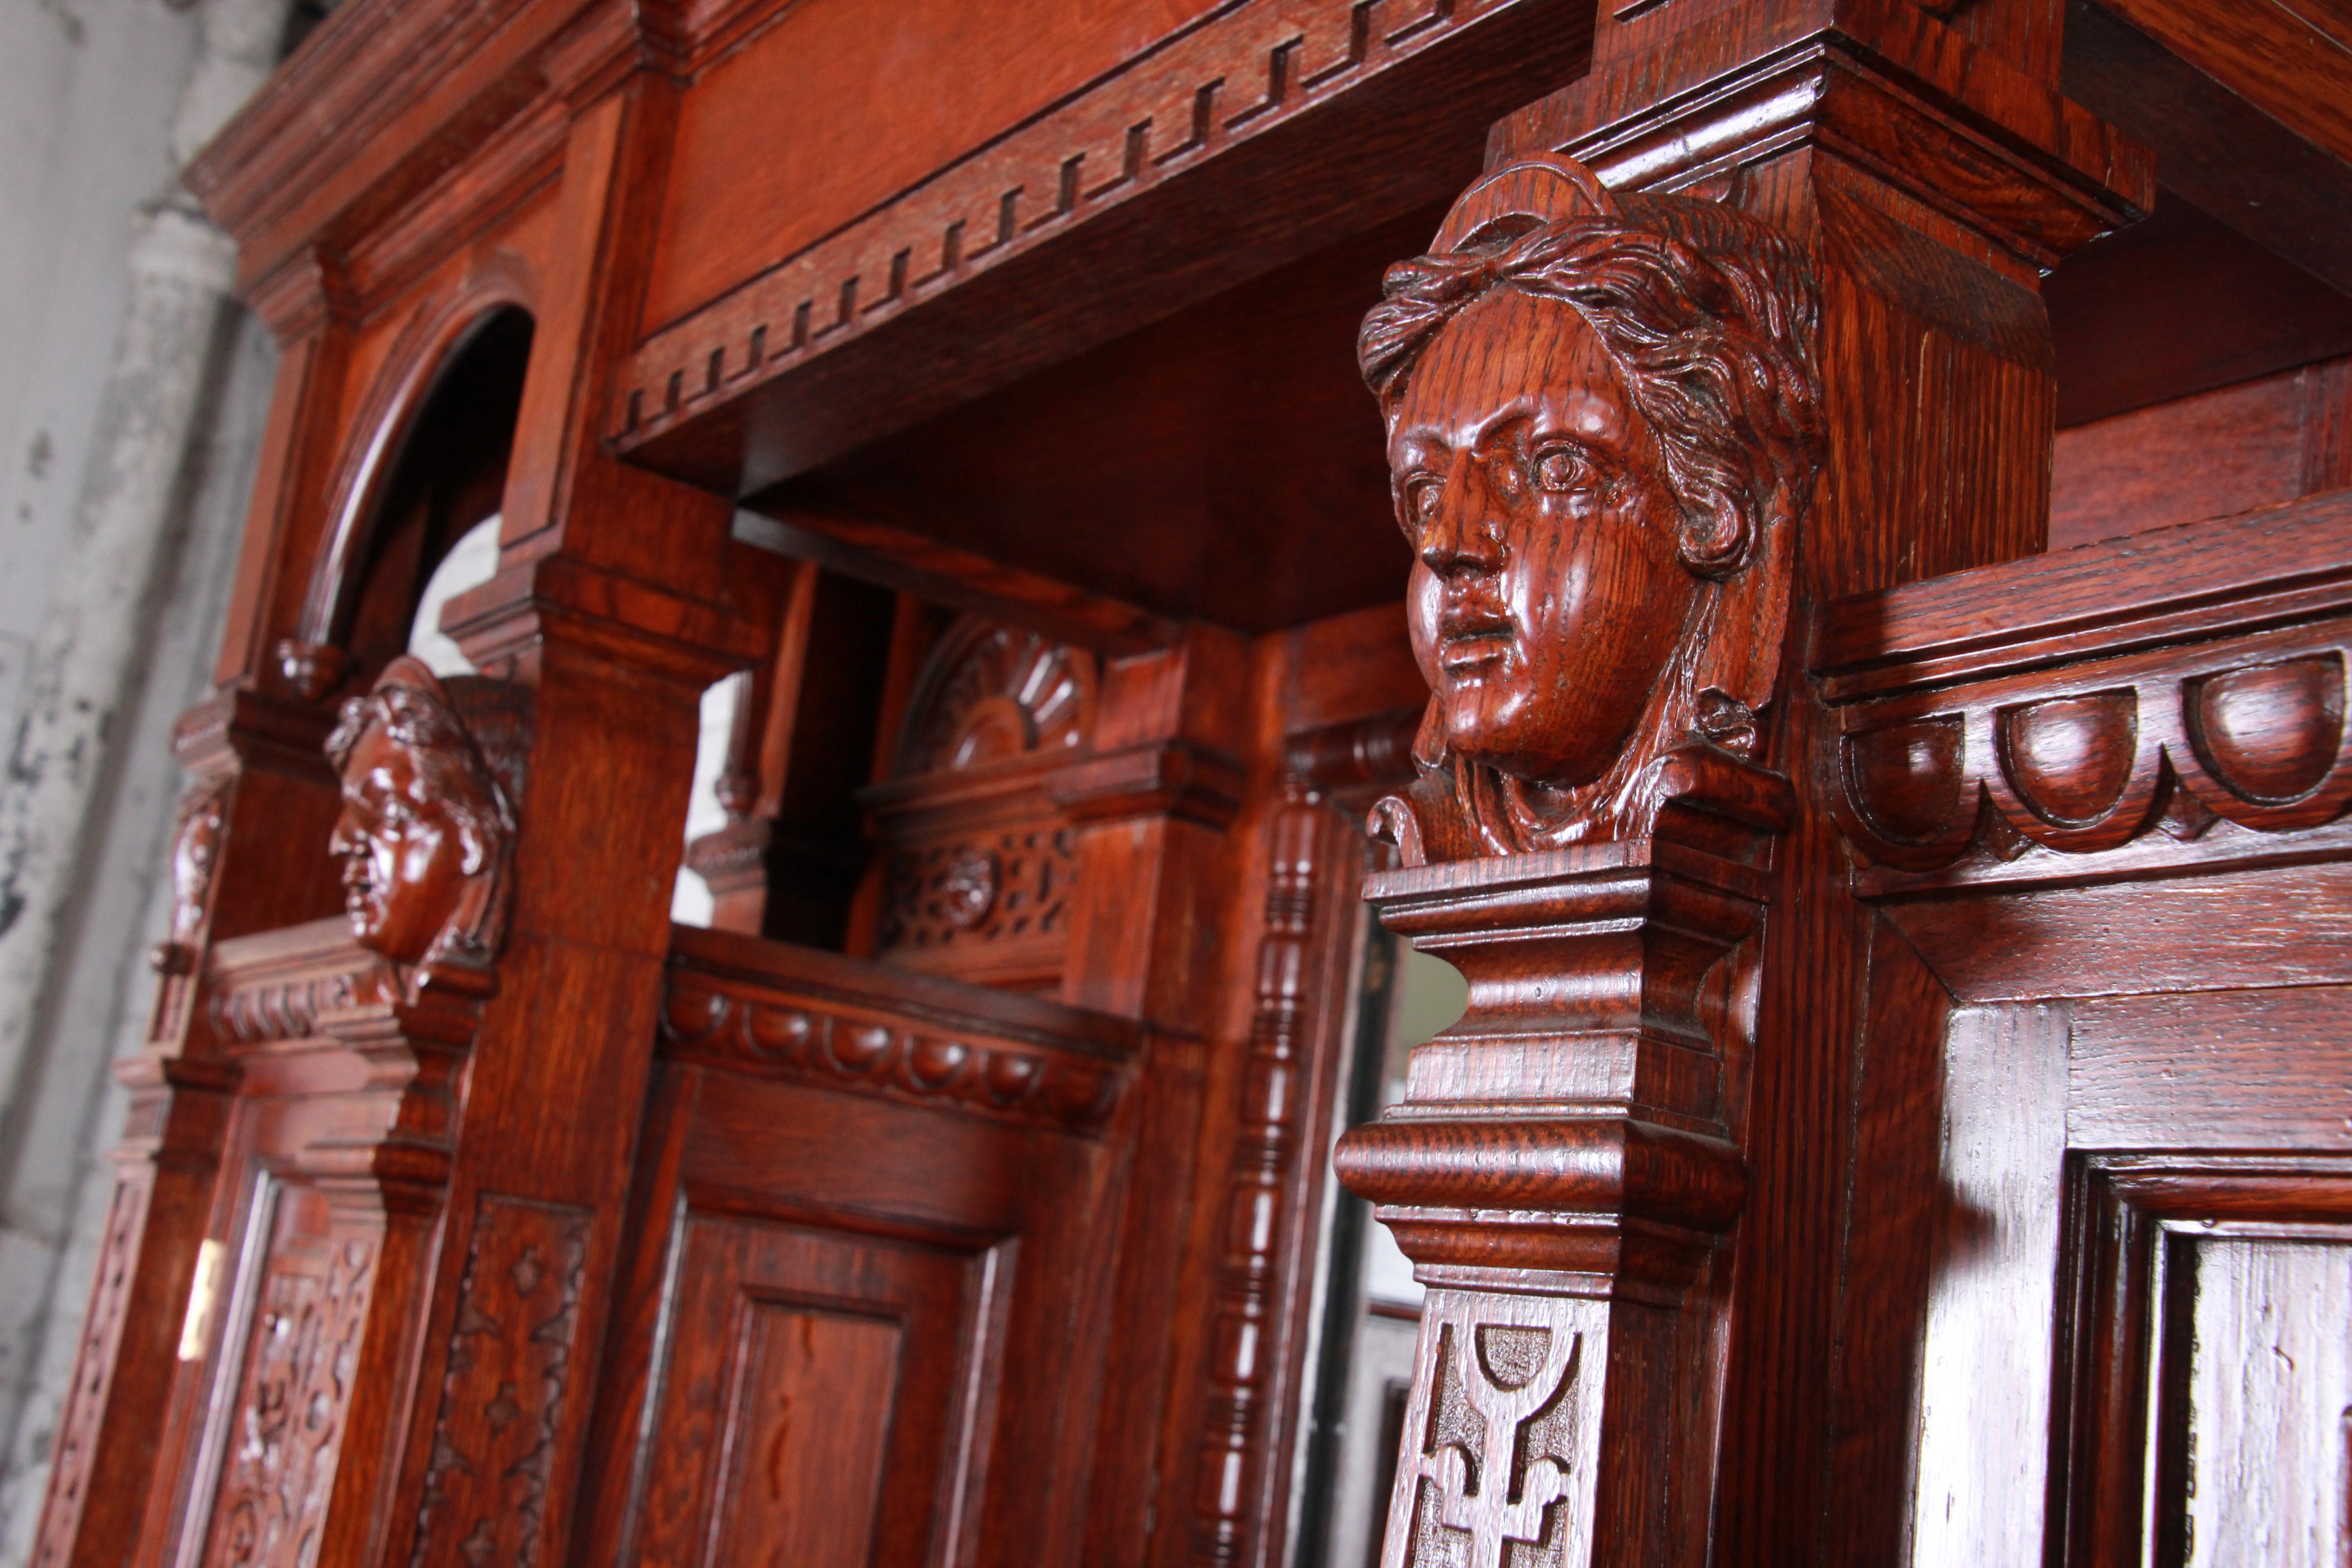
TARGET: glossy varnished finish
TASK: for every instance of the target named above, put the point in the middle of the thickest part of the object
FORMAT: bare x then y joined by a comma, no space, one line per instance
1900,1116
2134,1105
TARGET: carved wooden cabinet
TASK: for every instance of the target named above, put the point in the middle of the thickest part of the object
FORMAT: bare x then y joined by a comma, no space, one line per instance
1800,545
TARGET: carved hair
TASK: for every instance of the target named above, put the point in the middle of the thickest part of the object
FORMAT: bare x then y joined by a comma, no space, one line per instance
1712,347
420,714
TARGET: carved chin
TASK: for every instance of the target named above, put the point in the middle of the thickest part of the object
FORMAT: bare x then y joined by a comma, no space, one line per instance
366,911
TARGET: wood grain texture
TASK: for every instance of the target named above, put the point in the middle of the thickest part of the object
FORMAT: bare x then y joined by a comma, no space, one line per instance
1132,448
724,220
2198,1380
2233,450
2287,62
2268,1386
814,1379
2228,1069
802,363
2235,311
2114,596
2220,117
1984,1380
1778,1208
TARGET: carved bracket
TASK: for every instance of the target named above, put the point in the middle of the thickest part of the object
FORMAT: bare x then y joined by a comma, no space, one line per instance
1603,421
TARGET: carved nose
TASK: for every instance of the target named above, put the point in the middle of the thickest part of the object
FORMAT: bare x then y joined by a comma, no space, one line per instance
1466,537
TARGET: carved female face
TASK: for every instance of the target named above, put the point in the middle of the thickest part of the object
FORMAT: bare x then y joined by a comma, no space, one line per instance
405,857
1547,595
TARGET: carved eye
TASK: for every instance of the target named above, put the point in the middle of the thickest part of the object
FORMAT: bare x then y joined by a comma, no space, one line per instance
1422,497
1563,469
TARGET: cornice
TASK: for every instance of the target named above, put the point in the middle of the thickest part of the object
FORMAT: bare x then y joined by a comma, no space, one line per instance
772,1010
1106,160
388,96
2167,704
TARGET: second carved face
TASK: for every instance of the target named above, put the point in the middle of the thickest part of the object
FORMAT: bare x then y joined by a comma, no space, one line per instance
426,829
1547,591
405,856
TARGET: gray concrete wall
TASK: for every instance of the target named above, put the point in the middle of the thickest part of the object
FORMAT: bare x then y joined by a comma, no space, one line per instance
130,426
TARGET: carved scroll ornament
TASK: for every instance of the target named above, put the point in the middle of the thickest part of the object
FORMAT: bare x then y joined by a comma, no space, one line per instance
430,773
1603,425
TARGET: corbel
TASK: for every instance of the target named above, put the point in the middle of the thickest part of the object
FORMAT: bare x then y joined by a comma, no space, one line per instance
1589,837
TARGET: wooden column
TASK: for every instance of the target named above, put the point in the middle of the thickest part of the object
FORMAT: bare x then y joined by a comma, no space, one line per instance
787,863
253,751
1151,803
613,603
1623,1172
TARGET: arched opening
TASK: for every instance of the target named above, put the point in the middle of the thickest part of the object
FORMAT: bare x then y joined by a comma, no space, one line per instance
445,485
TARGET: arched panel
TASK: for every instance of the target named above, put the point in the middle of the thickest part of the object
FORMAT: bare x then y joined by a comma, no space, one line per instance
426,460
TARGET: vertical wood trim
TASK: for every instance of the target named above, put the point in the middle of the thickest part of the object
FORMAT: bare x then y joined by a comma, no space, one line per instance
1984,1375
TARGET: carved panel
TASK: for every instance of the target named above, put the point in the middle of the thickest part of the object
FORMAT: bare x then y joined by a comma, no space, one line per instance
502,1394
299,1363
1501,1435
824,1400
978,863
1250,69
1013,886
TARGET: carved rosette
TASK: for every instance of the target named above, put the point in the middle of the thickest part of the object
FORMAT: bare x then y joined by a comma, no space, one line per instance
1603,428
1013,886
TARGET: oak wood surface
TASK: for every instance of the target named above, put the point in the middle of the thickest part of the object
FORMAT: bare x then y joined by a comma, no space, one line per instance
1915,1134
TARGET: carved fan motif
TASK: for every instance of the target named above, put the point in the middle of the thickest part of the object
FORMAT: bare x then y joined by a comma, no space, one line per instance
990,692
